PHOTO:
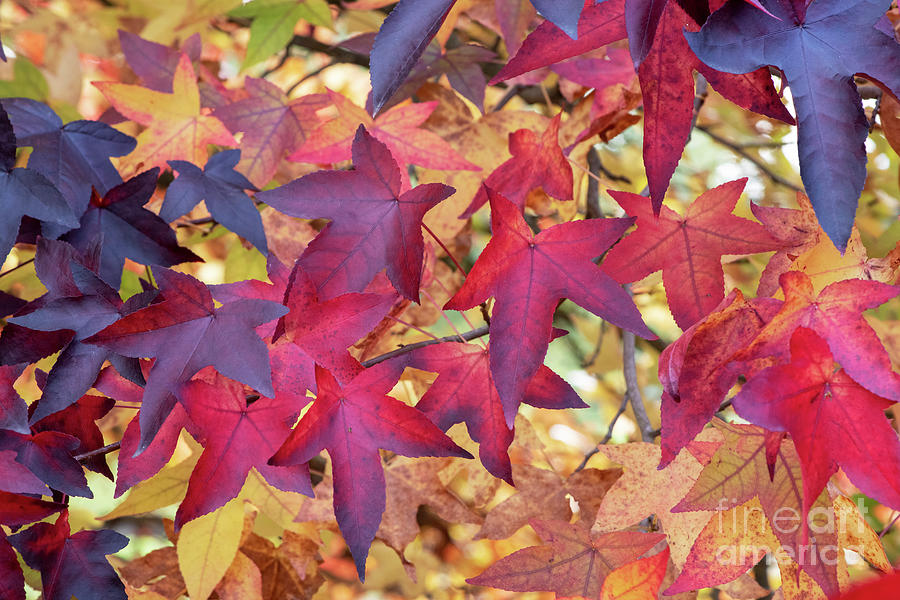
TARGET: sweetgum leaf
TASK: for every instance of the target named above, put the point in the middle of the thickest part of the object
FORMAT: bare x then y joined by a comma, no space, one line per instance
237,436
572,562
223,190
352,421
72,565
688,249
128,230
12,582
464,392
833,420
154,63
74,157
185,333
819,49
25,192
528,274
374,224
272,126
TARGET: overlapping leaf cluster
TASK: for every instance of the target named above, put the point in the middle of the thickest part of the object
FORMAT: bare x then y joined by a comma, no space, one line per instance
266,376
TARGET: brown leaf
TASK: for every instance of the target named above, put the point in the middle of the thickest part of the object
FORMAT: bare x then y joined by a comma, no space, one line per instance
287,571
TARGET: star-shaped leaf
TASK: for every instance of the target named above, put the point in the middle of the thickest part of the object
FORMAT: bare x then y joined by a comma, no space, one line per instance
177,129
352,422
319,333
74,157
72,565
223,190
688,249
273,126
25,192
572,561
399,129
835,313
535,162
185,333
528,274
237,434
464,392
833,420
374,224
819,49
126,229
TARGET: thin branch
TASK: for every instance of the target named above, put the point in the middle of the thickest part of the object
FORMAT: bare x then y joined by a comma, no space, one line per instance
632,389
312,73
701,92
609,432
511,93
740,151
17,267
463,337
98,452
444,248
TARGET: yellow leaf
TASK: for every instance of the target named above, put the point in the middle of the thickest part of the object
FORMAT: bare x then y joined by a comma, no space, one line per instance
207,547
176,127
163,489
279,506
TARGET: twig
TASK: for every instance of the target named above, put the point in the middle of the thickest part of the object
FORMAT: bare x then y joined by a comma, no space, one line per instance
737,149
632,389
463,337
509,95
18,266
444,248
701,92
609,432
312,73
875,112
98,452
889,525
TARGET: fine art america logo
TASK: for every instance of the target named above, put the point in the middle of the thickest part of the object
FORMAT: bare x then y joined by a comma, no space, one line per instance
820,540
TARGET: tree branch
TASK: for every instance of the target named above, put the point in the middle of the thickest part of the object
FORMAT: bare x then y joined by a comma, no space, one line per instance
463,337
740,151
98,452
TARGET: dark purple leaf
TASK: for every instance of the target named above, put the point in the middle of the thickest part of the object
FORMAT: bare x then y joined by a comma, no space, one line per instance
819,53
223,190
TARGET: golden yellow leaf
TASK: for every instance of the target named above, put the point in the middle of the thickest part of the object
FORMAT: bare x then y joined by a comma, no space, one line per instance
177,128
207,546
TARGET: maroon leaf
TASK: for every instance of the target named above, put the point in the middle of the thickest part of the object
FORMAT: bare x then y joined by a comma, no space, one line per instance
374,225
352,421
185,333
528,274
72,565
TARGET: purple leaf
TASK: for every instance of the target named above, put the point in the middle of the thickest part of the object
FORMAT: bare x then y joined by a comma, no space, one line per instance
819,52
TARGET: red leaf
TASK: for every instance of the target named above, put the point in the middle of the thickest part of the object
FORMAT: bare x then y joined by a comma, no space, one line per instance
17,510
534,163
637,580
835,314
688,249
464,392
528,274
237,436
832,419
373,224
352,421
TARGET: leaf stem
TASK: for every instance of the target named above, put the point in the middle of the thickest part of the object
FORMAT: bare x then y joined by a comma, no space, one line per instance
98,452
17,267
444,248
463,337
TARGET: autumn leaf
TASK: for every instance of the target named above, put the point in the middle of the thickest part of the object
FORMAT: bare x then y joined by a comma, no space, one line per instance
379,421
374,224
398,128
223,190
177,129
637,580
237,434
534,163
528,274
125,229
183,333
71,564
464,392
272,125
688,249
835,314
819,49
572,561
833,420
